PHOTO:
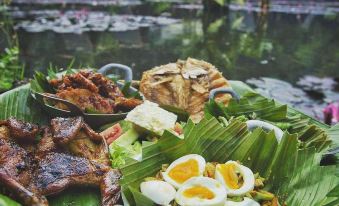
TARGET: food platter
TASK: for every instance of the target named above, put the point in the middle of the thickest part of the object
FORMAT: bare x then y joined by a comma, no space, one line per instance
291,166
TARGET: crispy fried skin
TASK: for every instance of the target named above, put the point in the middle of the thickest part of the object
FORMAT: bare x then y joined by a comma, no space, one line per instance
86,100
92,91
184,84
53,166
127,104
66,129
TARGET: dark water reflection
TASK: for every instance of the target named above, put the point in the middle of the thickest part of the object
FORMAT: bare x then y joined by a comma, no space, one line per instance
243,44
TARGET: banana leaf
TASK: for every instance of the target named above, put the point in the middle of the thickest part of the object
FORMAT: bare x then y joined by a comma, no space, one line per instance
295,118
292,169
211,135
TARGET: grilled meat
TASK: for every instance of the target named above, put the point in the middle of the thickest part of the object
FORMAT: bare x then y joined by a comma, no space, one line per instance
21,130
55,165
58,171
92,91
17,168
184,84
66,129
126,104
86,100
75,135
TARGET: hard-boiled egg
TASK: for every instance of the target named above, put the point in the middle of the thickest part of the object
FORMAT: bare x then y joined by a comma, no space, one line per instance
201,191
184,168
236,178
246,202
160,192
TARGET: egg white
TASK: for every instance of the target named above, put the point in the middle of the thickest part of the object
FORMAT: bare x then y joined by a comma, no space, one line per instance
201,163
160,192
248,178
246,202
214,186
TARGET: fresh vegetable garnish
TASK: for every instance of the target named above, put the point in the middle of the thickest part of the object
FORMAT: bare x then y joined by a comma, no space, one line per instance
112,133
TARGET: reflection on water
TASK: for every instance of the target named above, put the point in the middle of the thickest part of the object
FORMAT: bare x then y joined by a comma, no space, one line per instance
243,44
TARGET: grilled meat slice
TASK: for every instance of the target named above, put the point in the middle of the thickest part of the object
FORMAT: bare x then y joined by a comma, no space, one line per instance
26,196
21,130
16,169
110,188
75,135
66,129
46,144
58,171
14,159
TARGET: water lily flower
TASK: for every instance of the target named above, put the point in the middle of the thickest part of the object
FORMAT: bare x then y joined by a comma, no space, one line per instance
331,113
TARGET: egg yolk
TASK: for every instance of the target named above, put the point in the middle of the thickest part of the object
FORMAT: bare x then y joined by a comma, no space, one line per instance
200,192
185,170
231,178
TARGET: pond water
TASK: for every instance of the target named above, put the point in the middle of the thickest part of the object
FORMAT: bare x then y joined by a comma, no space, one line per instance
243,43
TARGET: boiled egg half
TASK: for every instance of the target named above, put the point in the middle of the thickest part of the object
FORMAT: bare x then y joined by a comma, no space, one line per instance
201,191
183,169
160,192
236,178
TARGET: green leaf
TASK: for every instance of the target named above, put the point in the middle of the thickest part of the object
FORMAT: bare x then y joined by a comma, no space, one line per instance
288,169
127,93
19,103
41,84
6,201
76,196
140,199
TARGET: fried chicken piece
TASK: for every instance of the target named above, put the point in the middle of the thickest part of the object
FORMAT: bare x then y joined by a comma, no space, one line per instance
184,84
127,104
92,91
107,88
77,80
86,100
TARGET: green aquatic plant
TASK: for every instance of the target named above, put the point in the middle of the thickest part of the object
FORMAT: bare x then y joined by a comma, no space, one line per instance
11,68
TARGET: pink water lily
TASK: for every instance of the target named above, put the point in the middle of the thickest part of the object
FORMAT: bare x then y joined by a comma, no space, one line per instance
331,113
